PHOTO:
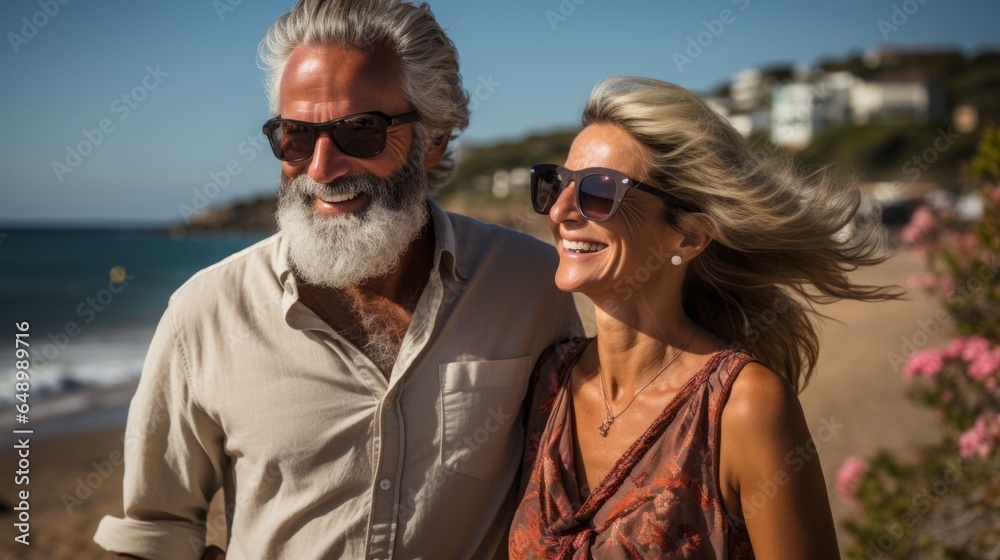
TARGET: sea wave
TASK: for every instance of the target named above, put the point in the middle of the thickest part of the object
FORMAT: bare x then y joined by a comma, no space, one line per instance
89,373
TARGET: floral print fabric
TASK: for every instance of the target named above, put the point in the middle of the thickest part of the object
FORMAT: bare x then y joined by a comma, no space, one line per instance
660,500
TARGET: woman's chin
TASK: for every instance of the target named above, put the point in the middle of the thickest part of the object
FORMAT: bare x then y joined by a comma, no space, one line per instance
577,285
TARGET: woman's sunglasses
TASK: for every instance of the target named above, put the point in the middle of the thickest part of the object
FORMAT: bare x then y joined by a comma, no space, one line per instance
599,191
361,135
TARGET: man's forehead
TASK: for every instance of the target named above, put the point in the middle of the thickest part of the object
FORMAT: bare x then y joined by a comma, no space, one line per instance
337,71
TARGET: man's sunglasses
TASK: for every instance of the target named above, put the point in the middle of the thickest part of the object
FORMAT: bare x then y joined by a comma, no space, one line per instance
361,135
599,191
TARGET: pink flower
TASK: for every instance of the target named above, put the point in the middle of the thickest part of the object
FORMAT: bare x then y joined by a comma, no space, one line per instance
946,286
922,221
848,478
985,365
996,195
927,363
922,281
969,241
954,348
979,440
974,346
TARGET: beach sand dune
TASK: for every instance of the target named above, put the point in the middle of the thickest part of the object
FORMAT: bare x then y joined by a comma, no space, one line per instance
857,399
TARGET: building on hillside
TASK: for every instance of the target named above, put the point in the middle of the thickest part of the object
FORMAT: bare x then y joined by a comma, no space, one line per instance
895,97
748,90
746,123
801,110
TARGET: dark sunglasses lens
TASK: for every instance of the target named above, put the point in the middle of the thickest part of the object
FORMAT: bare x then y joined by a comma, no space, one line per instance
545,189
360,136
597,196
293,140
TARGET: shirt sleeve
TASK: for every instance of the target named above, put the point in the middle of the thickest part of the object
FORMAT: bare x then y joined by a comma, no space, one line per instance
174,459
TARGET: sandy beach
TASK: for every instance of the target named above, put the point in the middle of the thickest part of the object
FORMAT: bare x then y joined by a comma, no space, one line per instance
856,400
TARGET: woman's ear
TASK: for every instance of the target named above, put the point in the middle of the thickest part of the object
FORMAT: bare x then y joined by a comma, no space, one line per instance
698,230
437,150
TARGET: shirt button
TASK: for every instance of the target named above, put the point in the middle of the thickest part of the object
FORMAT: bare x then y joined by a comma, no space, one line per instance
384,484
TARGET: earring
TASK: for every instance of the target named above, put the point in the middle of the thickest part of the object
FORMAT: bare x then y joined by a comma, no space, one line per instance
676,260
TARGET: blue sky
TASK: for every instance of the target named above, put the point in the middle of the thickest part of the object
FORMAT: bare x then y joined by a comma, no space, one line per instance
194,97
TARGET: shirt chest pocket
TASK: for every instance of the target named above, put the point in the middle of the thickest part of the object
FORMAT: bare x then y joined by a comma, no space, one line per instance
480,402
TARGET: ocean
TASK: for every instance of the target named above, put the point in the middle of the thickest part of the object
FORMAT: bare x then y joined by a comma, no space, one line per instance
91,299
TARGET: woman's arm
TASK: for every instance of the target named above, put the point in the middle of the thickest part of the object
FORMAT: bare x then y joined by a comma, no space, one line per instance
769,466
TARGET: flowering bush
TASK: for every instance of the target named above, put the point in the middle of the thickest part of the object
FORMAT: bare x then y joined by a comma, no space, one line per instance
946,504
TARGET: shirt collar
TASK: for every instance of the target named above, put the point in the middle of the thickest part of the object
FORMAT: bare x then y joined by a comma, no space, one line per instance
446,250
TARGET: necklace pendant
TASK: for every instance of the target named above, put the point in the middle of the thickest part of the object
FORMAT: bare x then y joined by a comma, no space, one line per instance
605,426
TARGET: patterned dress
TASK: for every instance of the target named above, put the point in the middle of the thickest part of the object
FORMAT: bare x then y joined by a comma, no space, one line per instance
662,497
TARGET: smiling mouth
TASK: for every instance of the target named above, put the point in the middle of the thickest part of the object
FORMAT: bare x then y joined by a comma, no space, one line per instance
582,246
341,197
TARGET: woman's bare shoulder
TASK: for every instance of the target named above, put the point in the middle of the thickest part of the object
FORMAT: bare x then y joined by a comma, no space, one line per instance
763,408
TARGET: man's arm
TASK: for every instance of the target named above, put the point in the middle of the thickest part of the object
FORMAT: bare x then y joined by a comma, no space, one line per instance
174,460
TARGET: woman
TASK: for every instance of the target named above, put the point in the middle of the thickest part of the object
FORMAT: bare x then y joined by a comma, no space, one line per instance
676,432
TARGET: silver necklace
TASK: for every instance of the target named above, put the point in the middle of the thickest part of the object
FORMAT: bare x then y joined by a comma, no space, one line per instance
606,425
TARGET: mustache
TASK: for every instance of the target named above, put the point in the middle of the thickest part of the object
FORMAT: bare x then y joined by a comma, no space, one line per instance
306,186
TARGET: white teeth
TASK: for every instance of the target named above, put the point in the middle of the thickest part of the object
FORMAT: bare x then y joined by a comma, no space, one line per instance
343,197
582,246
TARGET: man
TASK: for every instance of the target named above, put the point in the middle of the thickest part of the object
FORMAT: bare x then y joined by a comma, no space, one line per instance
354,382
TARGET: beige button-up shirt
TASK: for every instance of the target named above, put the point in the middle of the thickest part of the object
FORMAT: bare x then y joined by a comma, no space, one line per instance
321,456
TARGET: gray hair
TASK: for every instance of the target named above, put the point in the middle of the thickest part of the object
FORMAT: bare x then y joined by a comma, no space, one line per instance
429,59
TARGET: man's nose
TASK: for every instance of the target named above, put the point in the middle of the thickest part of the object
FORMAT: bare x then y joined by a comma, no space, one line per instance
328,162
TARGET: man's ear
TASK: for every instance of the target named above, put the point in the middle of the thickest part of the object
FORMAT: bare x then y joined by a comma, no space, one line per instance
437,150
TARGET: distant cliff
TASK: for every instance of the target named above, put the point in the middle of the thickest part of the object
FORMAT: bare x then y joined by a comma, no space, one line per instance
253,216
257,216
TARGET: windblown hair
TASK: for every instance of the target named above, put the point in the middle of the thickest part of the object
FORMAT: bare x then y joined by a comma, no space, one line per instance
429,59
782,241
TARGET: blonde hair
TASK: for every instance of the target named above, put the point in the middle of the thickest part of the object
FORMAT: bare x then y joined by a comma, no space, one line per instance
782,242
429,59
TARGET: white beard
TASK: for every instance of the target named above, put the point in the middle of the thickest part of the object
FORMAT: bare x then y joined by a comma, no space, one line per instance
345,250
